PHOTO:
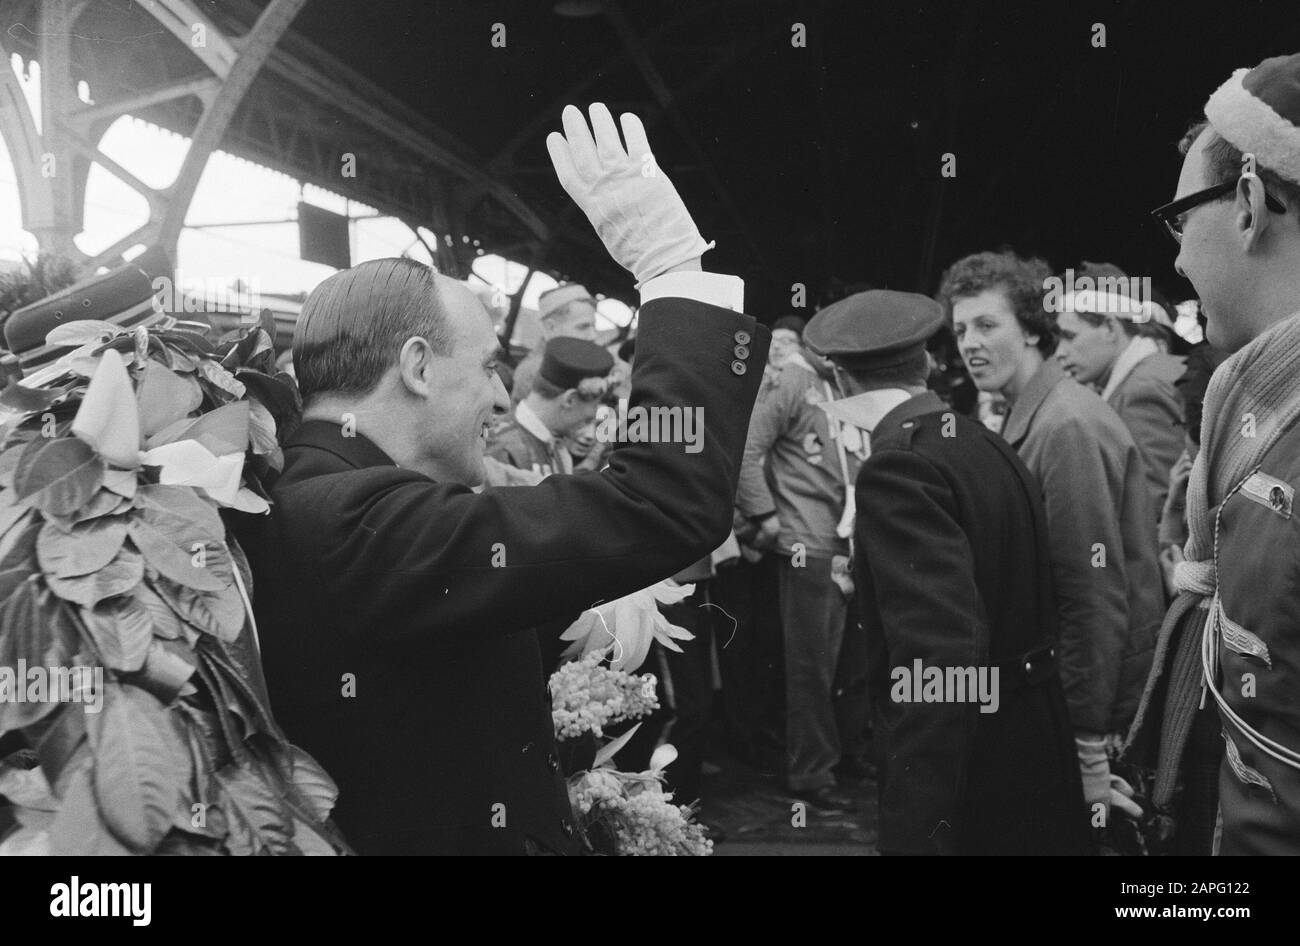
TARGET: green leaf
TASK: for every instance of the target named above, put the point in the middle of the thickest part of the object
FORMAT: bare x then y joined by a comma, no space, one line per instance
18,539
222,431
237,694
165,397
109,417
78,830
87,548
309,842
261,428
180,361
116,578
259,822
121,482
141,766
316,787
221,615
25,400
191,342
221,379
8,465
254,342
37,629
57,476
122,630
172,560
166,672
82,332
607,752
180,843
178,511
103,503
165,622
27,787
18,554
279,394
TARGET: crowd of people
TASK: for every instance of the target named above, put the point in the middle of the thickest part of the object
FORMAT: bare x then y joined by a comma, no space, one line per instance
1041,529
1017,551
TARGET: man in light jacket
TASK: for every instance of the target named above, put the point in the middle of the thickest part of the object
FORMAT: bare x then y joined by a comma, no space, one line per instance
1110,341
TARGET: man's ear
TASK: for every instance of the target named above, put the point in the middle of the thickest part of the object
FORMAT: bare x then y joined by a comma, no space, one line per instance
1251,213
415,365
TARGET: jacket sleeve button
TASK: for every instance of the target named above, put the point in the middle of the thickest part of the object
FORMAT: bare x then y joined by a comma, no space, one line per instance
553,762
742,337
741,352
738,367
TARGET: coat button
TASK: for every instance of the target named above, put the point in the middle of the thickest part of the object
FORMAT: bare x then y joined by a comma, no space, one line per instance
553,762
742,337
567,829
741,352
738,367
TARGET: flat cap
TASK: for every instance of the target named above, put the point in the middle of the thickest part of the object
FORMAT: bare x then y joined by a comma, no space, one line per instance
567,361
876,328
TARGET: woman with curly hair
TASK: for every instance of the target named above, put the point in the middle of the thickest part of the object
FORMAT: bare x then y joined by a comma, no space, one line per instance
1107,581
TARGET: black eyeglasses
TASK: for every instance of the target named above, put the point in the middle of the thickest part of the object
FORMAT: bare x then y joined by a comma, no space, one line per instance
1172,213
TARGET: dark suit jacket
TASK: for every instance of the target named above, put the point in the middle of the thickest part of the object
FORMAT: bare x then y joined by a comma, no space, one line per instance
377,577
953,570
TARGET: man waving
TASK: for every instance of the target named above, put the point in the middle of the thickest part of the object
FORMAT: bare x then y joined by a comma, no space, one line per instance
395,602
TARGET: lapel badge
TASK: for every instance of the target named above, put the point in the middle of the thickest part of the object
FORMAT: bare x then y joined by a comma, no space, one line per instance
1270,492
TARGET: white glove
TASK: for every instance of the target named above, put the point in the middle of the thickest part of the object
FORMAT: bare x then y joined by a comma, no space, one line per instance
628,626
627,197
1099,785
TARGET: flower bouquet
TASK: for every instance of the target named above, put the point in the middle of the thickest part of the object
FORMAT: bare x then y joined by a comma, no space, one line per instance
147,729
629,813
620,812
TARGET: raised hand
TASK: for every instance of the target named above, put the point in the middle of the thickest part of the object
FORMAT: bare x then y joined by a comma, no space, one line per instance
635,209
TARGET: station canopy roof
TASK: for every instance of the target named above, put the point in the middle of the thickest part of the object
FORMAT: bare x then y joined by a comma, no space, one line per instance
808,138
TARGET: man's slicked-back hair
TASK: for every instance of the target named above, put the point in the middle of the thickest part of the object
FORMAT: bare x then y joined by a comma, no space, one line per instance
1021,278
354,323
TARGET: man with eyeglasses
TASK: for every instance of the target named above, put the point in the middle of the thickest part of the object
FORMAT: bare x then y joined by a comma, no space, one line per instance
1229,640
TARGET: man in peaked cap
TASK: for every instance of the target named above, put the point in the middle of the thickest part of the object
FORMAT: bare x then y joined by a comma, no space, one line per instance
1236,218
787,339
973,740
567,311
571,380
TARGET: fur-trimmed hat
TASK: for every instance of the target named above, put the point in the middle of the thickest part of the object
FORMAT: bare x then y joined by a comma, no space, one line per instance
1258,111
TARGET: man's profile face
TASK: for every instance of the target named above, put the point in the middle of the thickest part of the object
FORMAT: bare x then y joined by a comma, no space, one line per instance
1086,351
467,391
1210,254
577,320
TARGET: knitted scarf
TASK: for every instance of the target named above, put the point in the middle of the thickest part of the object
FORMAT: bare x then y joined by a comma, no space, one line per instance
1252,399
